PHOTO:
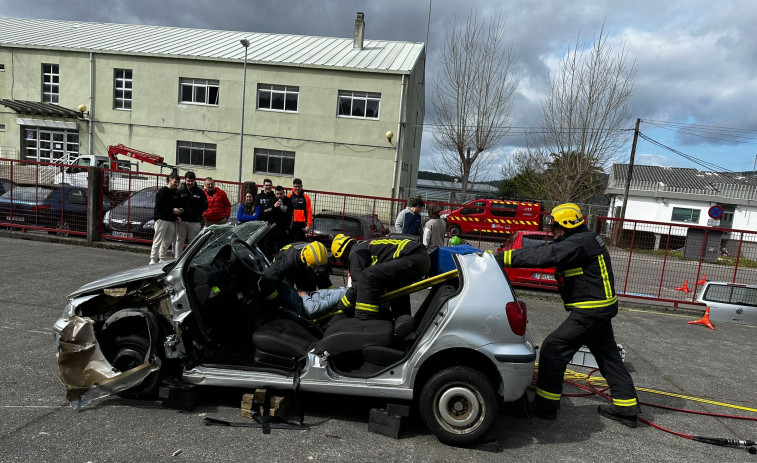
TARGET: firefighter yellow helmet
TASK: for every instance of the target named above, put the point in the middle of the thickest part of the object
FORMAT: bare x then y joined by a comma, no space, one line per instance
567,215
340,245
315,254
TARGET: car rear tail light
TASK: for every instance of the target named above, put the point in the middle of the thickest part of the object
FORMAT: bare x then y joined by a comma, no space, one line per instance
44,207
516,315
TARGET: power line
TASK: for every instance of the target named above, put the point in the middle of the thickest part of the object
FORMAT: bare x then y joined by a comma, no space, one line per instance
695,160
718,134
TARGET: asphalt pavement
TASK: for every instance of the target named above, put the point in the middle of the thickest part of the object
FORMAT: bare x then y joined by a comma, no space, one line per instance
664,353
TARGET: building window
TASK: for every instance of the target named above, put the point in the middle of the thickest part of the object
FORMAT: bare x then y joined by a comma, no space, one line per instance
122,89
2,67
359,104
196,154
681,214
50,145
2,127
199,91
50,83
274,162
278,97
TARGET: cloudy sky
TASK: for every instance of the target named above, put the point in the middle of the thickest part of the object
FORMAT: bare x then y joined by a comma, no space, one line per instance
696,84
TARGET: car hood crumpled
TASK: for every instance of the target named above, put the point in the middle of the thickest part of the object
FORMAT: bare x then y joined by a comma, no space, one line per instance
84,370
141,273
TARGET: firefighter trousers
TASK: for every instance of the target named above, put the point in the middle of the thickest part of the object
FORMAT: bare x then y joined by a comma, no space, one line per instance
389,275
560,346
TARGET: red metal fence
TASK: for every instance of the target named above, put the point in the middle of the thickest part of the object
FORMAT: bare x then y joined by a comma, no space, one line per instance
660,261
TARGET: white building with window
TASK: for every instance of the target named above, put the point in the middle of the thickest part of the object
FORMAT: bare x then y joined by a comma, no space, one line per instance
684,196
317,108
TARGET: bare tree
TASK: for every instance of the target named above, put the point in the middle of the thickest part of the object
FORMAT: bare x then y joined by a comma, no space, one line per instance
473,98
585,119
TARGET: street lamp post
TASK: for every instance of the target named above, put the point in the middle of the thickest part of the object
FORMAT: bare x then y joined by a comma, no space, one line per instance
245,43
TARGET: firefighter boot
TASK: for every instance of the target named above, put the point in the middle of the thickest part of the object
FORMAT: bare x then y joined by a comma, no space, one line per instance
540,411
608,411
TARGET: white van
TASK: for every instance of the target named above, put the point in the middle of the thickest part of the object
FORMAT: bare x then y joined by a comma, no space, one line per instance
730,302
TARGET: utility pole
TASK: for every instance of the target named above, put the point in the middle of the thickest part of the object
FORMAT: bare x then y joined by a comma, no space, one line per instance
630,170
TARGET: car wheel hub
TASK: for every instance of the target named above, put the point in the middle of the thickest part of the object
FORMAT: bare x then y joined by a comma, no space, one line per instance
459,407
126,359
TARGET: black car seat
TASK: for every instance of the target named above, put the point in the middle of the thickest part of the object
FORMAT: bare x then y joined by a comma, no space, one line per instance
283,344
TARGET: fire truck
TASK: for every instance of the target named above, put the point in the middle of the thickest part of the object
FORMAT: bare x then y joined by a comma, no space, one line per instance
493,217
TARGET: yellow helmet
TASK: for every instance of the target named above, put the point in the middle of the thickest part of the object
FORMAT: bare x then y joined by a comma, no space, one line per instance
567,215
315,254
339,245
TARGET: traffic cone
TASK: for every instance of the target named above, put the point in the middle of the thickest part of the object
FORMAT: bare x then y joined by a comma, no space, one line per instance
702,281
685,287
704,320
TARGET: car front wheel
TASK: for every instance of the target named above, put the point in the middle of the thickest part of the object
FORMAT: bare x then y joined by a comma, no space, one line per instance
455,230
127,352
459,405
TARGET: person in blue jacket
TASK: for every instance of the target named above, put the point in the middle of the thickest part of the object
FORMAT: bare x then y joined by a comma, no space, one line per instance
248,211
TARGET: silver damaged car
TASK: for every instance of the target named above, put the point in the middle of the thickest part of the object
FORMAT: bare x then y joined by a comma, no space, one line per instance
201,320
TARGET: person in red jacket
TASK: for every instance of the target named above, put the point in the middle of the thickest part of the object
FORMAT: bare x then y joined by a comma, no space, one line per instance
219,207
303,212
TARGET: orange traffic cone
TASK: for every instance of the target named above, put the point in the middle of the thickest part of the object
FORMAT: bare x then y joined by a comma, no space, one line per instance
702,281
704,320
685,287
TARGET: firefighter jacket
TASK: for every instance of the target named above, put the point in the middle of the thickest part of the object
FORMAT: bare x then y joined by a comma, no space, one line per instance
303,212
582,269
374,252
290,267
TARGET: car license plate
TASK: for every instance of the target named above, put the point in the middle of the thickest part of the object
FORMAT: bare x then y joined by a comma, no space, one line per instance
123,234
15,218
544,276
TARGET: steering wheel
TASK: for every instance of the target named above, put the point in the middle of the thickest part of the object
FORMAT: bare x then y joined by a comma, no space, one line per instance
246,255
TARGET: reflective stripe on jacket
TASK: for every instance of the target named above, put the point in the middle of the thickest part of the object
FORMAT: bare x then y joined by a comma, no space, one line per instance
582,269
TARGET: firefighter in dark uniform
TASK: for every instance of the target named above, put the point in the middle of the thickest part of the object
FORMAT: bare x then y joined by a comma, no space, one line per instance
586,284
302,265
376,266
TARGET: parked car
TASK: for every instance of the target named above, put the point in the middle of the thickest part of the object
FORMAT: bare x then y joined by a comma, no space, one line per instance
730,302
59,207
199,320
133,218
530,277
328,224
5,185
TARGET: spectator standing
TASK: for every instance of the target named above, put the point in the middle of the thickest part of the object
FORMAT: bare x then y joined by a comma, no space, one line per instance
399,222
219,207
246,211
167,211
303,211
281,216
412,223
435,228
194,202
264,202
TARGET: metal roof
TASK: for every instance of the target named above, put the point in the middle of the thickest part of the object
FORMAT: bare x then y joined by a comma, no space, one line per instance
41,109
684,181
272,49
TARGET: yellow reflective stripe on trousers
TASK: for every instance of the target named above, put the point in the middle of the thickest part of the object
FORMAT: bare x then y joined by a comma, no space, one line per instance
593,304
624,402
507,258
605,277
345,302
272,296
571,272
366,307
547,395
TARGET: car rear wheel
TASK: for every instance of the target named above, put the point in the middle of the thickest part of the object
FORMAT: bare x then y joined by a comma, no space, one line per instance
459,405
455,230
62,225
127,352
